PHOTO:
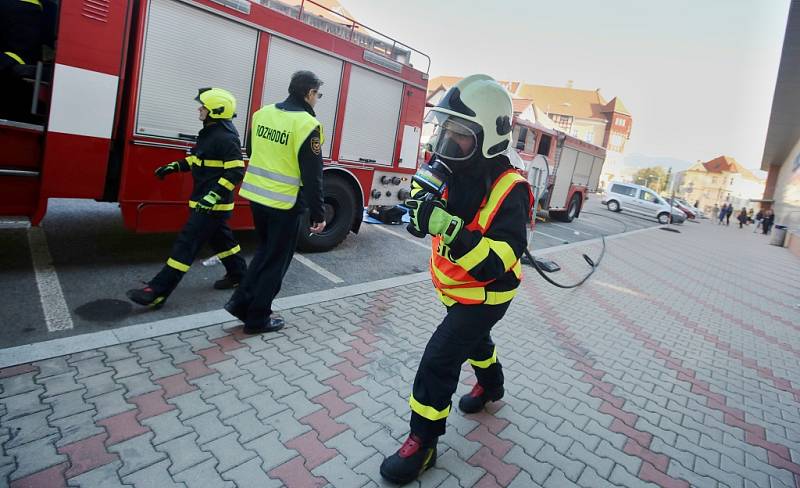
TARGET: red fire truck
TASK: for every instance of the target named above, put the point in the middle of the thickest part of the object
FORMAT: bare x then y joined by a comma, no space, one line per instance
118,102
562,169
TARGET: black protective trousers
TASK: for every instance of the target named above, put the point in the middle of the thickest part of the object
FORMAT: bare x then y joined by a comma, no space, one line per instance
464,334
277,234
201,228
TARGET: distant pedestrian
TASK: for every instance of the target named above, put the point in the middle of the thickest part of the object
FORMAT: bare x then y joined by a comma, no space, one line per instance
697,204
742,217
758,219
723,211
750,216
769,219
728,213
715,210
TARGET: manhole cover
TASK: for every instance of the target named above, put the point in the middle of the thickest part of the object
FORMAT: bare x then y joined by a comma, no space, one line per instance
105,310
670,229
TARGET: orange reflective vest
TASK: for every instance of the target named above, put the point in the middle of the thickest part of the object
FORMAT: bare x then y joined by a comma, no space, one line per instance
451,277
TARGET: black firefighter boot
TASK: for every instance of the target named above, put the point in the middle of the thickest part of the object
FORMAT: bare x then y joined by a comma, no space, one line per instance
148,297
475,400
228,282
410,461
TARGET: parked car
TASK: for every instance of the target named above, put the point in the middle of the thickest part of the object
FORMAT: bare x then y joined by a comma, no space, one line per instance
640,200
691,212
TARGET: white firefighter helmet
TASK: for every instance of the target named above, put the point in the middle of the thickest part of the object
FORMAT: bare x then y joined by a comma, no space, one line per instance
476,110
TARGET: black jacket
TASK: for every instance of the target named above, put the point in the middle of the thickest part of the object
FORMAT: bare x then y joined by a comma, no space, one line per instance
217,154
311,191
466,192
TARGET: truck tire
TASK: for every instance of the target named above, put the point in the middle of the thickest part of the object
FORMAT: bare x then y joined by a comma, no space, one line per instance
572,210
340,212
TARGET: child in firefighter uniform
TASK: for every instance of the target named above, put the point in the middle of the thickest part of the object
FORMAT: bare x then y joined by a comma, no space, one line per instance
217,167
479,233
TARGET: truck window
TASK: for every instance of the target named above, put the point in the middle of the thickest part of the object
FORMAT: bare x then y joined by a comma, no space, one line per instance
544,145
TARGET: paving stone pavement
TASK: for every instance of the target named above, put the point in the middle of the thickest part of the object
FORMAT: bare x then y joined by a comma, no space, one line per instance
676,365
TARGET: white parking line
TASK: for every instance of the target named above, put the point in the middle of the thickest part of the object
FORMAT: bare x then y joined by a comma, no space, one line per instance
412,240
561,239
54,306
319,269
572,229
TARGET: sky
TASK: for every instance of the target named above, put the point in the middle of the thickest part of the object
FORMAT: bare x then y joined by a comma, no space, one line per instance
698,76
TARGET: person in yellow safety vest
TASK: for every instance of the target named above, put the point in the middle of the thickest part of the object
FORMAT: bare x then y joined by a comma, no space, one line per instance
21,39
217,167
479,233
284,178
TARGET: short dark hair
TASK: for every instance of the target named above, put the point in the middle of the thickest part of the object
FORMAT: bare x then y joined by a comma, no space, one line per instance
303,82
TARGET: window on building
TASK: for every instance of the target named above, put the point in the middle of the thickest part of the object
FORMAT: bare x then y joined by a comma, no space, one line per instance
588,135
620,122
519,141
563,121
544,145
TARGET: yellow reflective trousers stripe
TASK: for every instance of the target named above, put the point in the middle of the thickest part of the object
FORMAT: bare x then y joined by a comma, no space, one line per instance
222,207
429,413
177,265
227,184
229,252
486,362
14,56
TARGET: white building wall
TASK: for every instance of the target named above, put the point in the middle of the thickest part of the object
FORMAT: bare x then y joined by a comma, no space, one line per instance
787,190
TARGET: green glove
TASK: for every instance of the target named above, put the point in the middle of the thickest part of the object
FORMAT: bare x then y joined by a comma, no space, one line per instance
206,204
163,171
430,217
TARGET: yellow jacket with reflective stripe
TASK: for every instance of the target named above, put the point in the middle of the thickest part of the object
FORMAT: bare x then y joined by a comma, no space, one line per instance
452,277
273,175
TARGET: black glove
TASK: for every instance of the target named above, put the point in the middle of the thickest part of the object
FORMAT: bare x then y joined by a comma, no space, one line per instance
163,171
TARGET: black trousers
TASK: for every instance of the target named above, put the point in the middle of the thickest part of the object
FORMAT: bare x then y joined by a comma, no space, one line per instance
201,228
464,334
277,235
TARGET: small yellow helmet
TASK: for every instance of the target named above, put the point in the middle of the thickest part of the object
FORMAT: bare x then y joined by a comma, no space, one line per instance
220,103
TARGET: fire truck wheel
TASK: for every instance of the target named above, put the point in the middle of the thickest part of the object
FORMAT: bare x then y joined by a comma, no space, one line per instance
572,210
340,212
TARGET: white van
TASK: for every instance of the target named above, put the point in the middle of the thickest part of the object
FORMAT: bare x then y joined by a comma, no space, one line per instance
640,200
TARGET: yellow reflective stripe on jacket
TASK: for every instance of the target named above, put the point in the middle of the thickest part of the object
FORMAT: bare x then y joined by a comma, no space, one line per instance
35,2
192,159
476,255
235,163
177,265
498,297
227,184
503,251
496,196
429,413
219,206
212,163
446,280
517,269
476,295
14,57
486,362
229,252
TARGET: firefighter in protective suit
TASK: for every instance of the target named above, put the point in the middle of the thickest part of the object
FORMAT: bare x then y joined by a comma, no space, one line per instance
217,167
479,233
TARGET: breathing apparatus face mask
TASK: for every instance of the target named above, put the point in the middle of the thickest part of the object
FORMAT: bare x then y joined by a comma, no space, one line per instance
454,139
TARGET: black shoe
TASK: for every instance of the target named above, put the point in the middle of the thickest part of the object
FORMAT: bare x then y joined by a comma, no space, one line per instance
273,324
237,309
228,282
409,462
475,400
147,297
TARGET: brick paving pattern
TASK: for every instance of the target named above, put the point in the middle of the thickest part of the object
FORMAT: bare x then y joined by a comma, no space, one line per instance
676,365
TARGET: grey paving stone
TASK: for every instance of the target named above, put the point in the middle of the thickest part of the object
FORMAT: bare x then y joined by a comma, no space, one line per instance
572,469
208,427
621,477
467,474
243,356
265,404
754,476
340,473
363,427
90,367
353,450
109,404
559,442
166,427
685,458
287,426
247,425
67,404
182,353
271,450
26,429
183,452
136,453
100,384
228,369
52,367
198,342
590,479
463,446
104,476
126,367
311,386
155,475
630,463
695,480
299,404
228,451
149,353
76,427
210,385
83,355
228,404
58,384
162,368
143,343
602,465
246,386
138,384
24,404
190,405
250,474
18,384
558,479
35,456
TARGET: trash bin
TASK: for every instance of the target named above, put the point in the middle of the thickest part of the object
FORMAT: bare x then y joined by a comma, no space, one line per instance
778,235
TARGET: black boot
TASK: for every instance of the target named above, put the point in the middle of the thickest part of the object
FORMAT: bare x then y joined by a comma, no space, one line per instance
272,324
475,400
237,309
227,282
148,297
410,461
